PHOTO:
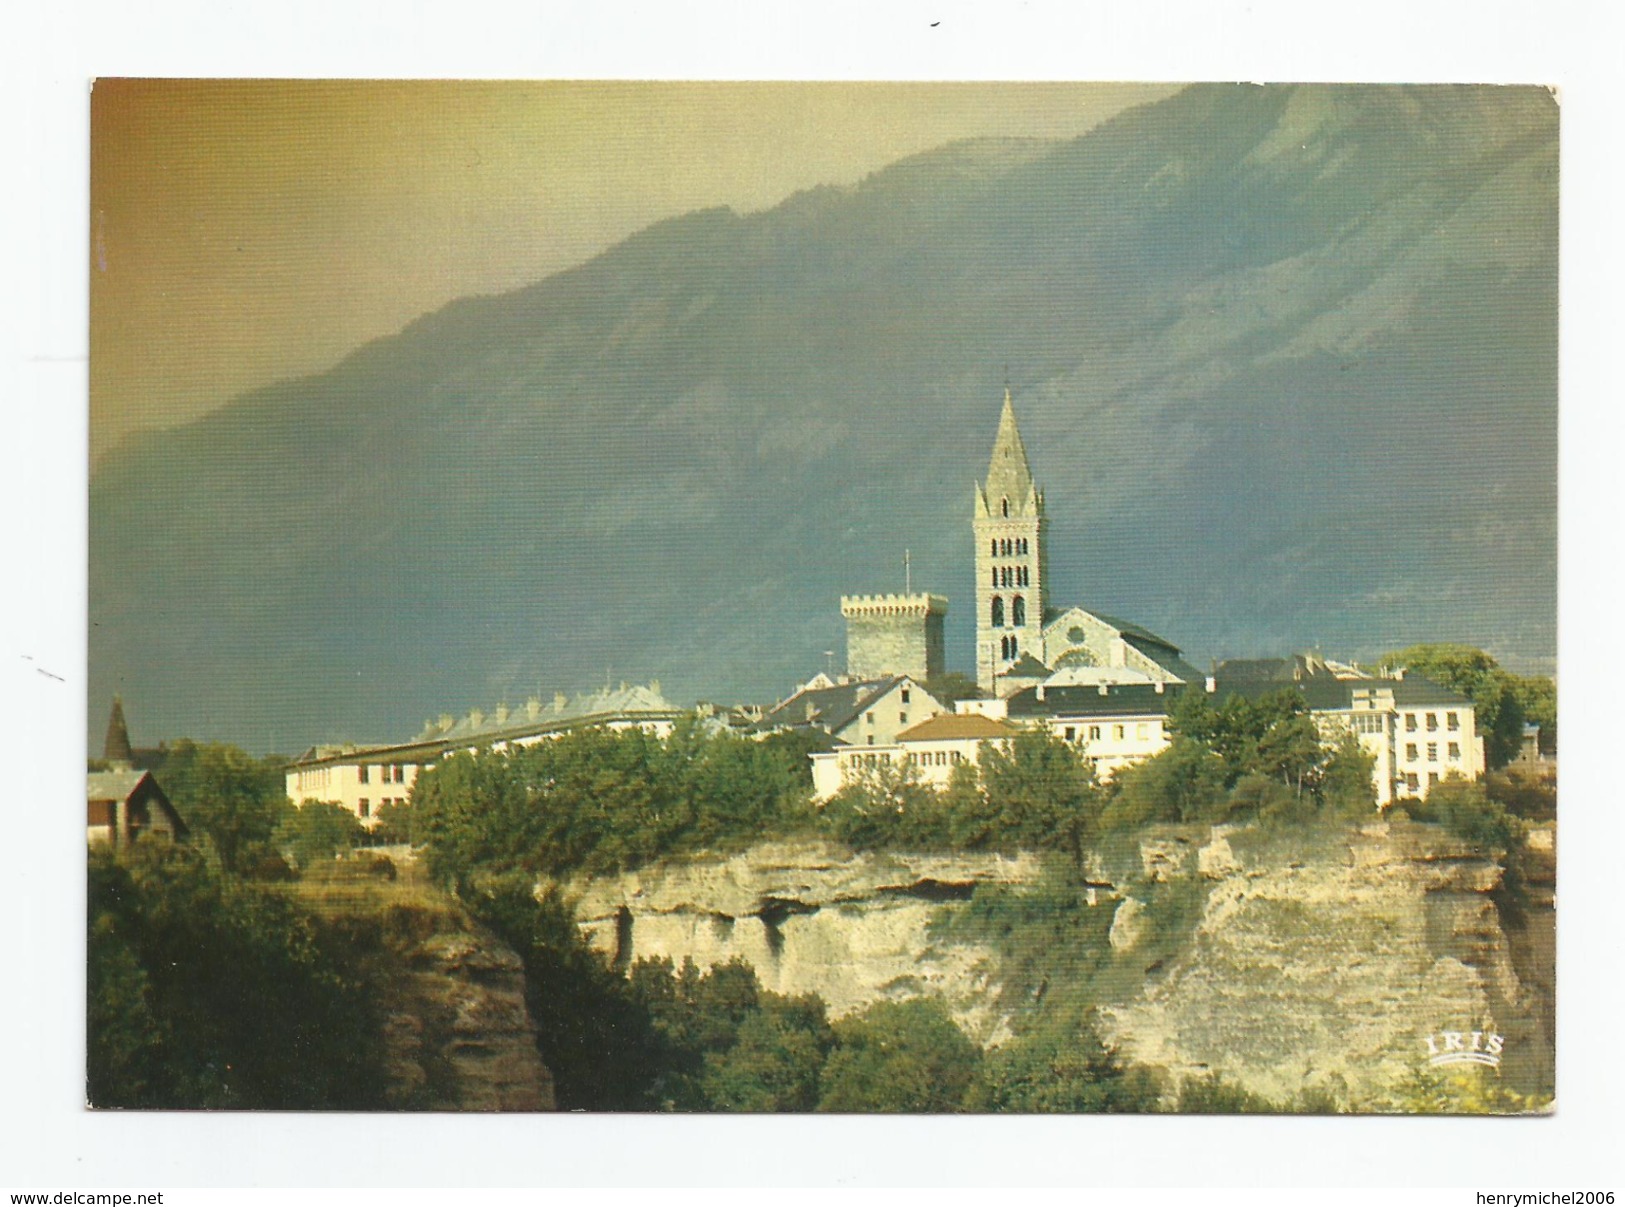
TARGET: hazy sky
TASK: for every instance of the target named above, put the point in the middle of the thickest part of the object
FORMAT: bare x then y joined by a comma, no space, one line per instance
247,231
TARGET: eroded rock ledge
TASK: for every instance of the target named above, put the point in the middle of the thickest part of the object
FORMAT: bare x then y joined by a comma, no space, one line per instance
812,918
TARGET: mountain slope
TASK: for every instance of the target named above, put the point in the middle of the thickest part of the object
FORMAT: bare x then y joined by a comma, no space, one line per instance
1285,359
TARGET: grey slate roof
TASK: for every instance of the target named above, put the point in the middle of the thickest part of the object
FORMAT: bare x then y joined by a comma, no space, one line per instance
1320,693
1418,690
1131,630
1027,667
1123,699
834,707
626,703
1165,656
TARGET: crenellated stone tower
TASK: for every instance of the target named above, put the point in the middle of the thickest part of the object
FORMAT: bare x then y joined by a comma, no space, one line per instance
1008,520
894,635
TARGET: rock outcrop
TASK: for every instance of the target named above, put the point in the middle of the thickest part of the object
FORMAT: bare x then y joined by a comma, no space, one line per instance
1326,970
1318,962
812,918
458,1034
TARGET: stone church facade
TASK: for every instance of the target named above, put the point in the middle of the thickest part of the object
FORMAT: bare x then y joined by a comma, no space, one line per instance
1021,638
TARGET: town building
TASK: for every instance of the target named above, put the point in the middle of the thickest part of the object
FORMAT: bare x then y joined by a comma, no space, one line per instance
867,712
1417,731
124,803
364,779
926,753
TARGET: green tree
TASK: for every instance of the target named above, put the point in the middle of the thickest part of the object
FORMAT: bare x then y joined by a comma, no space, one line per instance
1495,693
227,796
205,991
1063,1067
899,1056
1346,787
1538,697
1185,781
597,1037
775,1061
1466,810
886,806
317,831
1042,792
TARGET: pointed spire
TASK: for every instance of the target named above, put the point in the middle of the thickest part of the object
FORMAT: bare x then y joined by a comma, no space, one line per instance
1008,475
117,747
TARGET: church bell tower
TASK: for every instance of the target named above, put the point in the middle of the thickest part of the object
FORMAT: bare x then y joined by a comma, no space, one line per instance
1009,526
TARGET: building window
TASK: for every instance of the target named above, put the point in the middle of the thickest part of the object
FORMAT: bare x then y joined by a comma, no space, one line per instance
1455,751
1433,779
993,548
1018,611
905,695
400,772
902,718
361,774
1452,722
1071,733
1433,721
995,576
1410,722
1410,752
1004,506
1023,546
364,806
913,759
1117,732
1433,752
1411,781
1094,733
871,718
871,742
998,612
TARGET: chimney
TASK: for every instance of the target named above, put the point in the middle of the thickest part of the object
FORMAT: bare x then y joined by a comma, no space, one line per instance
1103,687
1212,684
1159,687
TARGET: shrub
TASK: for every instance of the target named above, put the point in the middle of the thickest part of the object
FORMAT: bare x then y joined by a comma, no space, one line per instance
205,992
900,1056
1063,1067
1463,808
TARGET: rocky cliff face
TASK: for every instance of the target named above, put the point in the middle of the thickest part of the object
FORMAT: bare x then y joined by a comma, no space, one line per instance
1328,971
458,1035
1314,965
812,918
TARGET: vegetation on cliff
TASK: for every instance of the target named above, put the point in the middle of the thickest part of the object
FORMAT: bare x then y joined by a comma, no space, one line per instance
209,991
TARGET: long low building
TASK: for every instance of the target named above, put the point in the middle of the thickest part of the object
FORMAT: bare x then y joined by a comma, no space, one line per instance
365,778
